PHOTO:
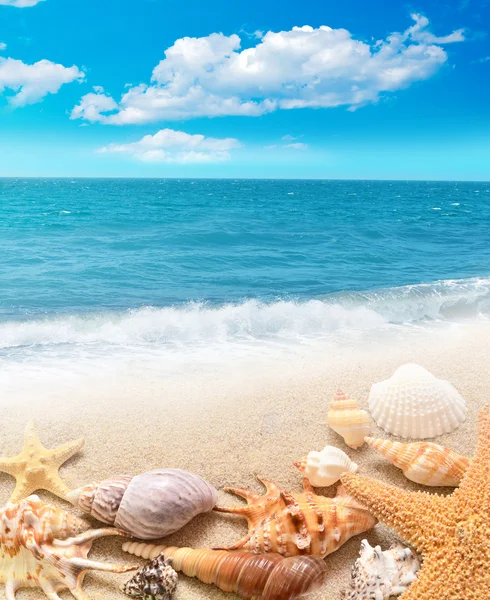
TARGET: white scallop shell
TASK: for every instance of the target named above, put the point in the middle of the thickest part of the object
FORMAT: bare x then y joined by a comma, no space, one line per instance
415,404
325,468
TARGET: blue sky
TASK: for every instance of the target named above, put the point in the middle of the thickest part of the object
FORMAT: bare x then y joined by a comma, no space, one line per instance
161,88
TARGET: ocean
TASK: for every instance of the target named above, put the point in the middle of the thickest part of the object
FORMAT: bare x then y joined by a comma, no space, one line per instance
171,274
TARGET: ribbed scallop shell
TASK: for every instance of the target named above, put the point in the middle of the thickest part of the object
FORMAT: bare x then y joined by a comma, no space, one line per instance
423,462
148,506
42,546
325,468
348,420
292,524
257,576
415,404
379,575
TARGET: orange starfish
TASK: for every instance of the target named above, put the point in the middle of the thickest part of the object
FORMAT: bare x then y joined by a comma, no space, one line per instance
451,532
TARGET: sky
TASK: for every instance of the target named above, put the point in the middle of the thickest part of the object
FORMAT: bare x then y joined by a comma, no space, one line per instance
309,89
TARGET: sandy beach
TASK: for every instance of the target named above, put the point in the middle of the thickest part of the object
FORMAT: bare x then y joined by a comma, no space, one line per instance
231,430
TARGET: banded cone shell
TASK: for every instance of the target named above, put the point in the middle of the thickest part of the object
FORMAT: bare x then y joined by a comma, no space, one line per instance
292,524
348,420
250,576
325,468
423,462
147,506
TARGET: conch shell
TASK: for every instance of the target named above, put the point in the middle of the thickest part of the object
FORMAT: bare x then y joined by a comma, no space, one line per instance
250,576
423,462
348,420
46,547
148,506
325,468
380,575
292,524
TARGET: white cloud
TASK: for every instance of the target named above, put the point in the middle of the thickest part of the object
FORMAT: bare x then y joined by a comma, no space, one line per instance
20,3
3,46
30,83
168,145
304,67
297,146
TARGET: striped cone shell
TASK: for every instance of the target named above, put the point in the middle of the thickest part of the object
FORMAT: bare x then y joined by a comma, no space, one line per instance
423,462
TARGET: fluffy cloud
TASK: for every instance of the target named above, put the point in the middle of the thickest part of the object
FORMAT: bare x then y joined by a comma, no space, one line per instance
30,83
20,3
289,142
3,46
168,145
304,67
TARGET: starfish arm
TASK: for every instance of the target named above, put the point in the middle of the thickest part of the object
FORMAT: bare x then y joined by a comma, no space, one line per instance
31,438
474,489
9,465
23,489
56,486
413,515
63,453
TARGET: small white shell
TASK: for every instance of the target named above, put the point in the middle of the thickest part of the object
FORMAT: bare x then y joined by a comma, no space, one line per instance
380,575
325,468
415,404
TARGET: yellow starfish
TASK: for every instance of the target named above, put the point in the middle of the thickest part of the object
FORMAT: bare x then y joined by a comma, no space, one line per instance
36,467
451,532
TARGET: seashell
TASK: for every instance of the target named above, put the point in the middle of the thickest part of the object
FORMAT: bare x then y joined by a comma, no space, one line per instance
348,420
415,404
155,580
42,546
249,575
148,506
423,462
292,524
325,468
380,575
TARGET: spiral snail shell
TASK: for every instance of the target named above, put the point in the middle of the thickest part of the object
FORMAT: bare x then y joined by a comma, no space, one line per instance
257,576
147,506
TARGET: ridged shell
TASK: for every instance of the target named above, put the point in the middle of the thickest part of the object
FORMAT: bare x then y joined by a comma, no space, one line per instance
378,575
42,546
325,468
292,524
257,576
415,404
423,462
148,506
348,420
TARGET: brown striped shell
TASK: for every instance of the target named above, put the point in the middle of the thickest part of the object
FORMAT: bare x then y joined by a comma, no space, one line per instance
423,462
257,576
292,524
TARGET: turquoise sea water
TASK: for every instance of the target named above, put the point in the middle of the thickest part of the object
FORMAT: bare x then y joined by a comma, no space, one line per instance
95,266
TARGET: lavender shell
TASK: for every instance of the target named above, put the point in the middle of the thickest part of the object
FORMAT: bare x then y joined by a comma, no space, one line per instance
148,506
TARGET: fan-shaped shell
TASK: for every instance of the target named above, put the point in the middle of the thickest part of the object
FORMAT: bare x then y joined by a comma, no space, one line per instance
348,420
415,404
148,506
250,576
325,468
379,575
423,462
